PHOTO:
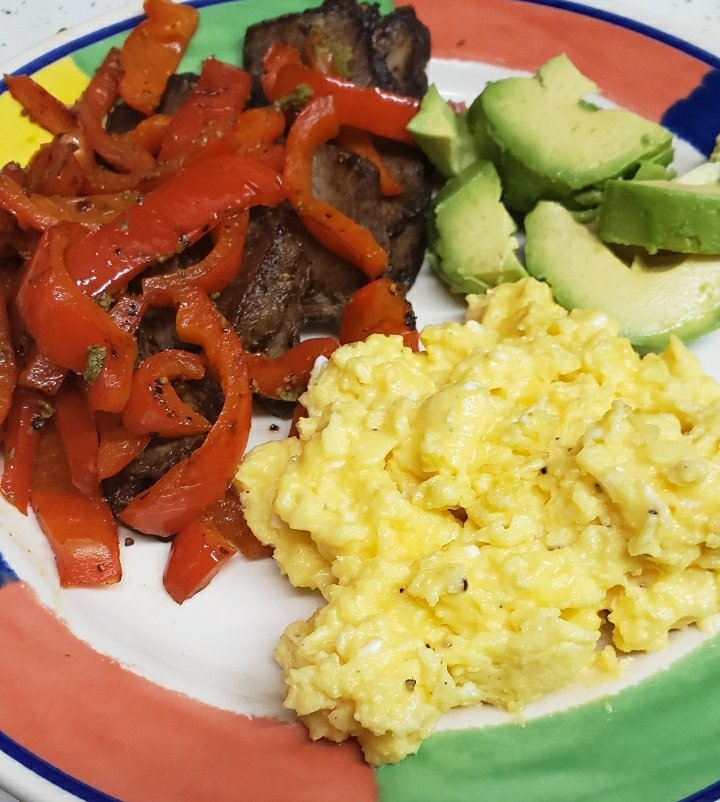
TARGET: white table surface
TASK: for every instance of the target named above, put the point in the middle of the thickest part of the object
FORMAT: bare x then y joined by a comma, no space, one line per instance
26,23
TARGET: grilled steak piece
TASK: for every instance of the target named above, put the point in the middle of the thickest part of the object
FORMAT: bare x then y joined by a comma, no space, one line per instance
399,50
264,302
339,22
352,184
287,279
388,51
405,215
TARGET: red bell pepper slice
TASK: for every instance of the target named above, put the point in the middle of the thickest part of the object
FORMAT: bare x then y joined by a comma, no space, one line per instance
40,106
128,311
200,550
70,328
78,433
206,119
315,125
197,553
379,111
286,377
100,181
80,529
154,407
40,212
361,142
258,126
214,272
182,494
228,517
117,447
8,367
171,217
54,170
96,101
28,414
379,307
152,52
150,133
299,412
41,374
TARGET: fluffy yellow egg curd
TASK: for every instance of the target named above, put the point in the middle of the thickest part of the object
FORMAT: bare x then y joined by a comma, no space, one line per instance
473,513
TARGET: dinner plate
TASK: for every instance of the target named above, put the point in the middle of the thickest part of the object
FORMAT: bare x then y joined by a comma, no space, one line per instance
121,694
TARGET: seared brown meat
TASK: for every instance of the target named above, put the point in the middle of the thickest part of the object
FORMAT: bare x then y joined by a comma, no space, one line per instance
287,280
264,302
352,184
399,50
388,51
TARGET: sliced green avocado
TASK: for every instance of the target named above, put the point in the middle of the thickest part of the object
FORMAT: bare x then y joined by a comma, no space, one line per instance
442,134
662,215
549,143
472,242
649,303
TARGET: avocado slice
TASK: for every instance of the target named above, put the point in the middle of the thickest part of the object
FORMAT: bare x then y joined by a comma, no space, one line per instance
549,143
678,297
472,240
442,134
662,215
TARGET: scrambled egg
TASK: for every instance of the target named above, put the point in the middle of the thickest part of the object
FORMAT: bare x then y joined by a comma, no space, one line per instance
471,514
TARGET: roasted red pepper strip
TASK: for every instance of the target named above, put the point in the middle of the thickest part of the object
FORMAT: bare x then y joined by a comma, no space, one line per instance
54,170
379,307
376,110
117,447
361,142
41,373
258,126
79,436
41,107
182,494
8,368
228,517
170,218
154,407
80,529
128,311
315,125
286,377
215,271
150,132
152,52
40,212
299,412
97,100
206,119
28,414
197,553
70,328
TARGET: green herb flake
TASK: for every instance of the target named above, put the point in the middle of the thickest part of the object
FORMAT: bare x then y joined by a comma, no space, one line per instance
296,99
93,364
105,300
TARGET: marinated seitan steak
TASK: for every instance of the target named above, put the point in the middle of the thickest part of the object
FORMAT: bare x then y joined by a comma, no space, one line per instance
388,51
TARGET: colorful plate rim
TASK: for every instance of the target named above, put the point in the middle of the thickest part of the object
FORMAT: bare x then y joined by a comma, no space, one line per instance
118,21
